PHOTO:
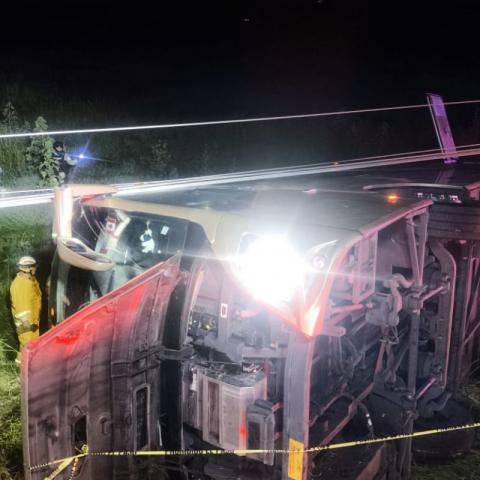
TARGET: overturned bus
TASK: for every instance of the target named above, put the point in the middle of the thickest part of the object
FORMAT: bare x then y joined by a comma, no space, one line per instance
256,319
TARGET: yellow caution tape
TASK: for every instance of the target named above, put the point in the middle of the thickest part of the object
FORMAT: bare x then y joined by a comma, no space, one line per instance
74,468
297,453
63,465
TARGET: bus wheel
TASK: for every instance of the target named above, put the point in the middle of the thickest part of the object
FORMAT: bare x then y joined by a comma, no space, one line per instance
444,445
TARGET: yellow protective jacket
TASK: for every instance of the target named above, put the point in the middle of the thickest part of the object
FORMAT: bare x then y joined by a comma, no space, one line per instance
26,299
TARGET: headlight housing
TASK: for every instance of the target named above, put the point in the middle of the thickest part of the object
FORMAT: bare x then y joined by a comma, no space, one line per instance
270,268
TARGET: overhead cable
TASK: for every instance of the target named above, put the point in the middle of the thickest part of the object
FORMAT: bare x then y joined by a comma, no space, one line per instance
224,122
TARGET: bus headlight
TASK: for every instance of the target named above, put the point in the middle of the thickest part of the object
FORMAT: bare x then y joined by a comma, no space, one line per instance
270,268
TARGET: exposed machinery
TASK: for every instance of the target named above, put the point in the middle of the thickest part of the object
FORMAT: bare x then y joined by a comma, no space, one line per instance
272,316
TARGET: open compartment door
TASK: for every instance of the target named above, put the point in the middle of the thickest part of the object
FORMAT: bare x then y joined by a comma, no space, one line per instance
95,378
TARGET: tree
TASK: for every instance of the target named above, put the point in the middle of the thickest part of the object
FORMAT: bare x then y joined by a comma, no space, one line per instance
162,160
12,150
39,156
10,121
208,158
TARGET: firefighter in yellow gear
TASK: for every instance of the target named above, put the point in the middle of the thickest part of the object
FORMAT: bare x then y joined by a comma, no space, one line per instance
26,298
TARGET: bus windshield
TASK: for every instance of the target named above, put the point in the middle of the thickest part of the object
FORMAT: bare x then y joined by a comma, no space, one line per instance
133,241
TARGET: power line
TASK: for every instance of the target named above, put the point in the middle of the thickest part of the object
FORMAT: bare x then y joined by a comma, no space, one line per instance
225,122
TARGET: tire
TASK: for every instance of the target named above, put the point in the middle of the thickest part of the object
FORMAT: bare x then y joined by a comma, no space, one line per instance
446,445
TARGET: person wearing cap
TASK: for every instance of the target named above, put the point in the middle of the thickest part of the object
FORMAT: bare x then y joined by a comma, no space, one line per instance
26,298
65,162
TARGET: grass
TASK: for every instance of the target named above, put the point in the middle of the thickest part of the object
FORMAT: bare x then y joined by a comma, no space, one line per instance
22,231
465,468
10,418
12,159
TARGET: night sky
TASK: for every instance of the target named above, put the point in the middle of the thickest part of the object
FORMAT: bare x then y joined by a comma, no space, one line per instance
190,60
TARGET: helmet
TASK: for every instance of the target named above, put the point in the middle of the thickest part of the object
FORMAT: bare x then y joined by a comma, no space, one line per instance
26,263
57,144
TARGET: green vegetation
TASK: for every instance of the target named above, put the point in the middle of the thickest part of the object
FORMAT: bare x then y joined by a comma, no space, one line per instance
25,162
23,231
162,160
10,421
143,155
465,468
39,158
12,152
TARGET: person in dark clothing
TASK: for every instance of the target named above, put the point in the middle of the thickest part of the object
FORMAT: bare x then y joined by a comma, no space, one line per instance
66,164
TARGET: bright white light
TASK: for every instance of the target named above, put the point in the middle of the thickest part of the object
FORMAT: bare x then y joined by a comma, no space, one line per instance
81,155
271,269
